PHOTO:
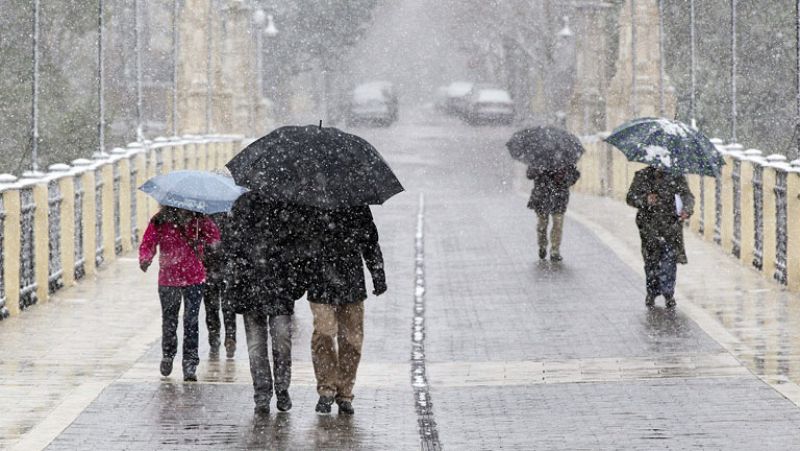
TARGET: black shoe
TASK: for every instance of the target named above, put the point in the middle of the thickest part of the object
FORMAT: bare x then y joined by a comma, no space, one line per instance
213,342
261,410
670,302
190,373
230,347
166,366
324,404
555,257
650,300
284,401
542,253
346,407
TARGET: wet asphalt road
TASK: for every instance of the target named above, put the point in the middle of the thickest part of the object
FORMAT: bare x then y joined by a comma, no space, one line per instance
519,354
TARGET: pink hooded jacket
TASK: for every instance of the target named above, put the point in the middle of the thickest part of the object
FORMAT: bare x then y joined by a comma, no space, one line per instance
180,263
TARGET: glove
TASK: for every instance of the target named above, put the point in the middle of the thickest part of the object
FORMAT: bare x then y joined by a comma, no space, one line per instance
143,265
379,286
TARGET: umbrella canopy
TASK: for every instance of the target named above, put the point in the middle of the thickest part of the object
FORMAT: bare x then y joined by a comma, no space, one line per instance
545,147
667,144
321,167
200,191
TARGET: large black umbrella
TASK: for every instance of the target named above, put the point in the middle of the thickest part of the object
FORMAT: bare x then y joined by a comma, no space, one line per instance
320,167
546,147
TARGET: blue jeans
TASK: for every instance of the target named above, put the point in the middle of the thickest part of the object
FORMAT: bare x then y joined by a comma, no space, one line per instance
171,297
661,271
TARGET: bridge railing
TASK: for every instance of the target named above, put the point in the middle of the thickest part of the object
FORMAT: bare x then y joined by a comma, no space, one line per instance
752,210
59,227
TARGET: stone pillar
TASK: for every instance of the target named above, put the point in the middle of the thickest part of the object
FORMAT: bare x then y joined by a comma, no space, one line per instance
12,247
620,104
239,68
793,229
587,108
747,212
770,214
67,187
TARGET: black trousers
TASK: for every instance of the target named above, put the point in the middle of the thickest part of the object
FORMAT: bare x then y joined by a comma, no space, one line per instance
212,298
171,299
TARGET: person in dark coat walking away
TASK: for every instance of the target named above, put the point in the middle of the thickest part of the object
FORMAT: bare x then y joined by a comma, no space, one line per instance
180,237
549,198
264,244
664,202
337,291
213,295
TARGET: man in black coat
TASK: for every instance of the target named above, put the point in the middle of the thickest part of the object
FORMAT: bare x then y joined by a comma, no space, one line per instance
549,197
336,291
664,202
265,244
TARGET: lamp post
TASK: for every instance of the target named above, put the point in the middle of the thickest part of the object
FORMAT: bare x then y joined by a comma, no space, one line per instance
138,44
797,81
661,69
259,18
35,91
733,72
175,43
693,65
634,100
563,35
209,69
101,101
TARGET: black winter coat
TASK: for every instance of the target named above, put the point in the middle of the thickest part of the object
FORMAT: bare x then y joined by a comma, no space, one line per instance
550,194
336,270
266,248
660,223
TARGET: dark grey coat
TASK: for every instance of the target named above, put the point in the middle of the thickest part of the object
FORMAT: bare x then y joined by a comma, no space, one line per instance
265,246
344,240
550,194
660,222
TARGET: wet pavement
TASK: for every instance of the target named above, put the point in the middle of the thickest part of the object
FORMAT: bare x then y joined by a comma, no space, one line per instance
519,354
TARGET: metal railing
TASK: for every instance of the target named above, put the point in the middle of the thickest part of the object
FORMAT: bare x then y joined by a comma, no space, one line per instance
718,209
80,260
98,228
3,298
27,272
117,179
758,216
134,215
781,218
159,153
736,176
702,221
55,277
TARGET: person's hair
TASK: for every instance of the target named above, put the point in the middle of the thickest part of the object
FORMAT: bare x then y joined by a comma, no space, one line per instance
172,215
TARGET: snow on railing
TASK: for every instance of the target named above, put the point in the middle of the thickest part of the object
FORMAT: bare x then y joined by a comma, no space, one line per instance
68,221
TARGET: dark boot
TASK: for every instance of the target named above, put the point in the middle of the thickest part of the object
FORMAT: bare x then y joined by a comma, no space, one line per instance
190,373
166,366
650,300
542,253
324,404
230,347
670,301
284,401
346,407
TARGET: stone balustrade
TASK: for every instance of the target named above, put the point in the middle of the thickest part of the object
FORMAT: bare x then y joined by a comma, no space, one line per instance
61,226
752,209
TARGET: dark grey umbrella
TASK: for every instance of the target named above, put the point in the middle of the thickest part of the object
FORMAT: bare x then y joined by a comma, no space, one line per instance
321,167
546,147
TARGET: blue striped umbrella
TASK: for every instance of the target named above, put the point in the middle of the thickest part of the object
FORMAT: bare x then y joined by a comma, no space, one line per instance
200,191
668,144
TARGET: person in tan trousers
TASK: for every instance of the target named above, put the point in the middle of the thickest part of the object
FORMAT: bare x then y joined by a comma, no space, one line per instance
549,197
336,292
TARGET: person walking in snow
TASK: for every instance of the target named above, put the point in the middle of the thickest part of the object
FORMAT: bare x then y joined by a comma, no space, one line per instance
549,198
180,238
664,202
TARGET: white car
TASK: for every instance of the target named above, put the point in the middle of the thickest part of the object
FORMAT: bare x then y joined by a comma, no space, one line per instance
457,93
490,105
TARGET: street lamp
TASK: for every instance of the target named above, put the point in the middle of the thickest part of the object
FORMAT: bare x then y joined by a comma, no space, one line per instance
35,91
259,18
175,37
101,83
138,45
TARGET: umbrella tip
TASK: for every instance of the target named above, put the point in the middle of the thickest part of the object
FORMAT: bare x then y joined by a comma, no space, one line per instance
320,124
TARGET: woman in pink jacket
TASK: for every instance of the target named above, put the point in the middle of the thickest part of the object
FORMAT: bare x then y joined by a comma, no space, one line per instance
180,236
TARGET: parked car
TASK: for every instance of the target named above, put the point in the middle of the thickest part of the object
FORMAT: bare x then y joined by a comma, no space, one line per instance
457,93
489,105
440,99
373,103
